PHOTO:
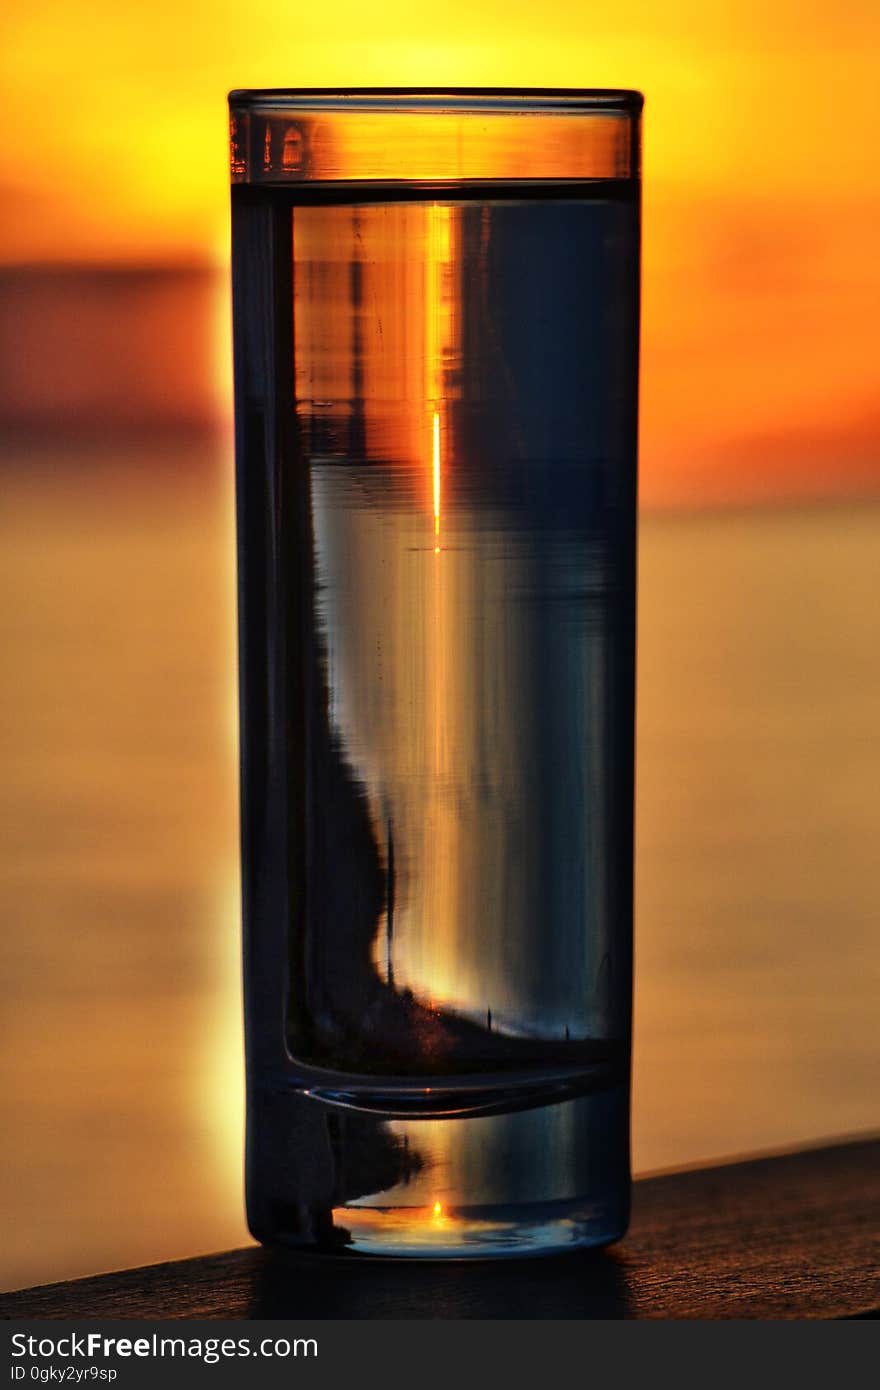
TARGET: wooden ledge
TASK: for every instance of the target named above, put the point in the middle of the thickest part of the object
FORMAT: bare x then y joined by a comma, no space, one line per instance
794,1236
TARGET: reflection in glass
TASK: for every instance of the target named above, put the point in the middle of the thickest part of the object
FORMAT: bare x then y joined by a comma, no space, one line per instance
465,604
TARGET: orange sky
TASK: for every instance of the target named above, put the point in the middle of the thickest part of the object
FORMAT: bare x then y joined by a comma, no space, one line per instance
760,274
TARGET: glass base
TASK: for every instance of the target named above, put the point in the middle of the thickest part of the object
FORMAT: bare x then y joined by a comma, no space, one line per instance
533,1181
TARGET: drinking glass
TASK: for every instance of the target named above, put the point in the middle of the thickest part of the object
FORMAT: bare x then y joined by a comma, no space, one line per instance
436,354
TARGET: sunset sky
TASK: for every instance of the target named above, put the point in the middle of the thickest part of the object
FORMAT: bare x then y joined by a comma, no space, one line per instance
759,636
761,216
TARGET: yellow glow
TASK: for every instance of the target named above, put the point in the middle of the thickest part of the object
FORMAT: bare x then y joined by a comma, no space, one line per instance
437,1209
418,1228
740,99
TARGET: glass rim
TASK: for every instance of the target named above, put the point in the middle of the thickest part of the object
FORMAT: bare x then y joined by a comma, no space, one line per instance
460,100
405,135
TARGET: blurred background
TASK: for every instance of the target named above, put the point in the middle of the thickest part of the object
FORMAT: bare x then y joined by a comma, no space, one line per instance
759,660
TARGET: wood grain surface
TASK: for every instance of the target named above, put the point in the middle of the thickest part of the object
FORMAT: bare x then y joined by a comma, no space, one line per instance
794,1236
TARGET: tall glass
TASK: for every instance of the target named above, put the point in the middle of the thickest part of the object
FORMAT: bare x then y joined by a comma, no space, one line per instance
436,354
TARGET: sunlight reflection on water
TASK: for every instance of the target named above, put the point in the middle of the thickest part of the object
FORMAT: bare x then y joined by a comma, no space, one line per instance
758,763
